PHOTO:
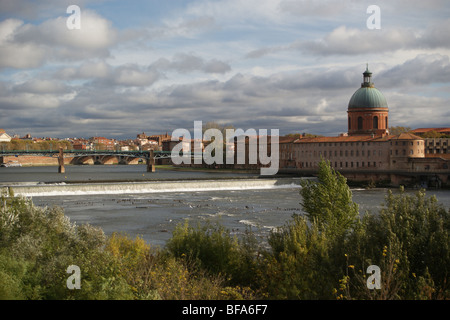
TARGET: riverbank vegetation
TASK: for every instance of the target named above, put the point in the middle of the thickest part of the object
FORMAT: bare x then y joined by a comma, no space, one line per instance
323,254
29,145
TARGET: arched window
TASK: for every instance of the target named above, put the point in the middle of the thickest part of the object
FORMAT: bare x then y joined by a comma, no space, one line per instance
375,122
360,123
349,123
386,122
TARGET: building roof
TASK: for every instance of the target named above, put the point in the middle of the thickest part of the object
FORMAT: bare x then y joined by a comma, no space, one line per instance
341,139
362,138
367,97
405,136
424,130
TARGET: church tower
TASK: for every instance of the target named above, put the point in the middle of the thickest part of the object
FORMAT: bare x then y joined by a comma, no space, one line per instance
367,109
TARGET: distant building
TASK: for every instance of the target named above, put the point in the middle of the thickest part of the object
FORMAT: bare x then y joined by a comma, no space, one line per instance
102,143
368,152
437,146
4,137
81,145
153,142
437,140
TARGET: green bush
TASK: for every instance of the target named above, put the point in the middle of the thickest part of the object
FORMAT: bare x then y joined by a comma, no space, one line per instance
210,246
44,243
409,240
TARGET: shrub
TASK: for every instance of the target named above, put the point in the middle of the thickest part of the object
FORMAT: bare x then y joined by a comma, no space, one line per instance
210,246
44,242
410,242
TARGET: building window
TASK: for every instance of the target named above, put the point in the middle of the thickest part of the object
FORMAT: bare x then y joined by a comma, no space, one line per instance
375,122
360,123
349,123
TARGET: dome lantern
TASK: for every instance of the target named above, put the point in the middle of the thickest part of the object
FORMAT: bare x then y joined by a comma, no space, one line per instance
367,78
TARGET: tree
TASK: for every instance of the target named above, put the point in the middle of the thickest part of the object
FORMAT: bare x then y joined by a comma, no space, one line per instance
433,134
328,202
308,252
397,130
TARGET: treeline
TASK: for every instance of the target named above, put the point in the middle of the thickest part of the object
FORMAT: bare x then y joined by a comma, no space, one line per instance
25,145
323,254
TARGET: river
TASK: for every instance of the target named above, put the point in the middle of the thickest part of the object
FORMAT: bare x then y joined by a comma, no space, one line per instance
130,200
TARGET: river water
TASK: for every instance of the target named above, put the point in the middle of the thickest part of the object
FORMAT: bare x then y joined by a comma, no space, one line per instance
128,199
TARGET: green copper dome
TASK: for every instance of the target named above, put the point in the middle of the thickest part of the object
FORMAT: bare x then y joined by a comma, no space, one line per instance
367,96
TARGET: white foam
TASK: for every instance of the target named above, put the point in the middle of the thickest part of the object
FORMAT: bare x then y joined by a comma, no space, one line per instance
152,187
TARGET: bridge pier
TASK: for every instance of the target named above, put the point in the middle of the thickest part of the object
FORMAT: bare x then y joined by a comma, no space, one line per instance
151,162
61,168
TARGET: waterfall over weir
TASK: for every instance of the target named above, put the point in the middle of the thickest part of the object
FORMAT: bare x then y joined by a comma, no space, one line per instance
62,189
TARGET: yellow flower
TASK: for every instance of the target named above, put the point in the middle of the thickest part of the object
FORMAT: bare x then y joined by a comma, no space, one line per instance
351,266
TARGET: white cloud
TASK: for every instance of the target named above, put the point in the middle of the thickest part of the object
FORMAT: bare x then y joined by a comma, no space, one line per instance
184,63
26,46
284,64
17,55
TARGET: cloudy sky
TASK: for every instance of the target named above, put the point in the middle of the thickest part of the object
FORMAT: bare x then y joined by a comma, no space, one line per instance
155,66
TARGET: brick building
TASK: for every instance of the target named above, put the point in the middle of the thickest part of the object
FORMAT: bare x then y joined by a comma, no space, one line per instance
367,152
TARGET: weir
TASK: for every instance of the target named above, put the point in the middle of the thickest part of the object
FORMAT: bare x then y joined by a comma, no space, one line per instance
40,190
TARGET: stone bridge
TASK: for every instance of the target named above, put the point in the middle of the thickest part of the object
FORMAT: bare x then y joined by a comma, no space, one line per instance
92,156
